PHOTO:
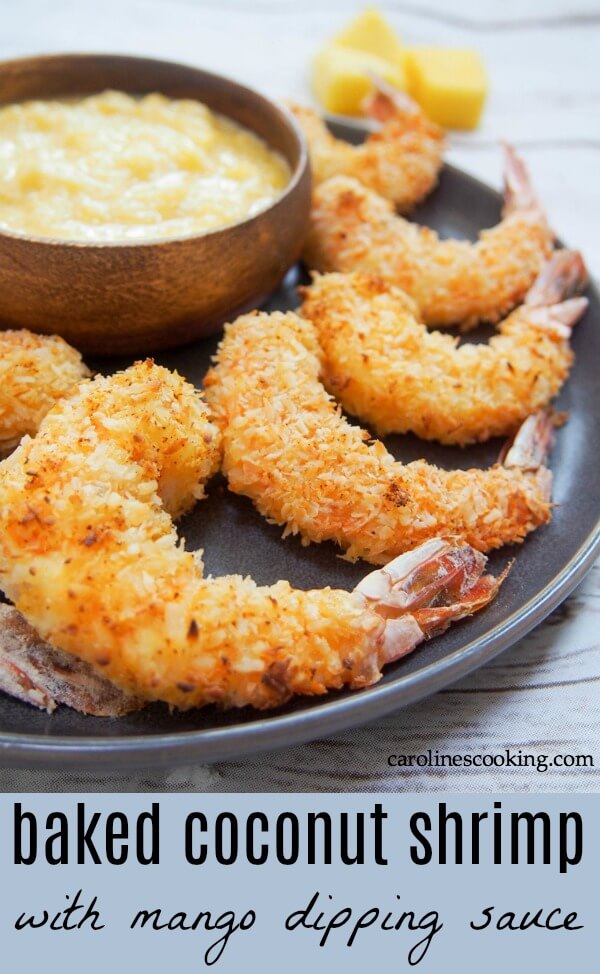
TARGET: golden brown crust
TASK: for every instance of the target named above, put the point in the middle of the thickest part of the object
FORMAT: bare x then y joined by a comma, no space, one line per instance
385,367
35,372
452,281
401,161
90,556
288,448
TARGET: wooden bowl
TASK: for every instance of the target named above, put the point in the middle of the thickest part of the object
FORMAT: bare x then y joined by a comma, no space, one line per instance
109,298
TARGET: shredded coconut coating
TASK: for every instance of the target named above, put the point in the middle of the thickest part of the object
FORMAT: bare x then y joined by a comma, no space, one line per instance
401,161
35,372
288,448
452,281
384,366
90,556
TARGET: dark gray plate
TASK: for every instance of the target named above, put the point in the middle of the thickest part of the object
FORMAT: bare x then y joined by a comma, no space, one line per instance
237,539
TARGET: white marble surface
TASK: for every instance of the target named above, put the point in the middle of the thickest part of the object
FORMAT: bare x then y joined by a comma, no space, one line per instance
543,58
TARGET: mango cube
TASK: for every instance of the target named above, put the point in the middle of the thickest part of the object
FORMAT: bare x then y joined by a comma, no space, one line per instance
371,33
342,78
449,84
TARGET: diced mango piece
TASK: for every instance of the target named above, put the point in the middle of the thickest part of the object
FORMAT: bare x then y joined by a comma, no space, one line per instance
370,32
450,84
342,78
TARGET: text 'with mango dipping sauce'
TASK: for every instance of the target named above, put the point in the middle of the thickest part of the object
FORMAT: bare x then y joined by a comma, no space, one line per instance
112,167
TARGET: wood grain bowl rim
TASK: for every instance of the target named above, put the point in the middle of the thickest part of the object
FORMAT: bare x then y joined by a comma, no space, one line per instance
286,118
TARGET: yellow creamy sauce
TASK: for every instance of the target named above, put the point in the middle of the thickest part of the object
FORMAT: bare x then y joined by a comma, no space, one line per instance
113,167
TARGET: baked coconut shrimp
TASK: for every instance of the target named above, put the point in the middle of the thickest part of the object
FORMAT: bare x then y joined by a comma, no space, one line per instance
90,557
35,372
452,281
383,365
288,448
400,161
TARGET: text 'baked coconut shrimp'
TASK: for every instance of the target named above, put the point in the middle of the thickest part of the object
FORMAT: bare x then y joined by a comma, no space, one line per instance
90,557
385,367
288,448
401,161
35,372
452,281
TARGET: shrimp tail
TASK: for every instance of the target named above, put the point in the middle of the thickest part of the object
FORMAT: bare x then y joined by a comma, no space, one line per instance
552,299
558,318
563,276
35,672
386,102
569,312
518,191
530,447
420,593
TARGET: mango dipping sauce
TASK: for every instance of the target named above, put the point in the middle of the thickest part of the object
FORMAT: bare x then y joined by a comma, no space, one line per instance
112,167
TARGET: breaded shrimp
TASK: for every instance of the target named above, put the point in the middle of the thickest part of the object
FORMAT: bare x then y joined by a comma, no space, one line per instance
90,557
401,161
384,366
35,371
287,447
452,281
